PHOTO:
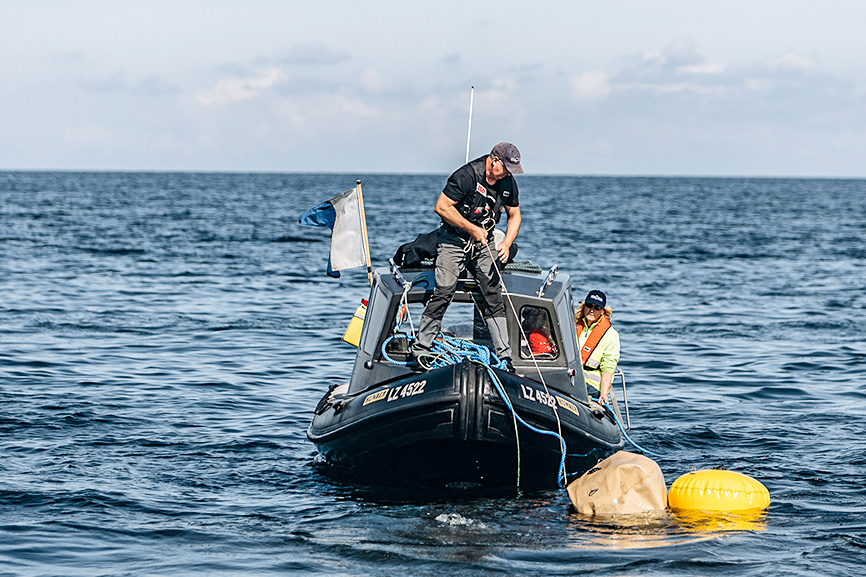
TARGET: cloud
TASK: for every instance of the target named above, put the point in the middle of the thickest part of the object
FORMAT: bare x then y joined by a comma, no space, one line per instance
676,63
676,69
111,83
230,90
289,114
118,81
373,81
303,85
87,135
314,55
792,62
590,86
680,53
500,96
451,61
675,111
354,107
849,139
154,85
702,69
680,69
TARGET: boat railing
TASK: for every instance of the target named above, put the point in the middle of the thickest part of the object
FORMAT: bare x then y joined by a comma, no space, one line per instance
551,274
621,375
398,276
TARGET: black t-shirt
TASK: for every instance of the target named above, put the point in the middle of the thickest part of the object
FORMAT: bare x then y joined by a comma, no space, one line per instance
478,201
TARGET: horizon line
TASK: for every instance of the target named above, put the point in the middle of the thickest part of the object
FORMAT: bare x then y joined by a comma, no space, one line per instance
438,174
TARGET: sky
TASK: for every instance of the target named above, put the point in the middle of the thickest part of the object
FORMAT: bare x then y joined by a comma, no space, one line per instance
632,87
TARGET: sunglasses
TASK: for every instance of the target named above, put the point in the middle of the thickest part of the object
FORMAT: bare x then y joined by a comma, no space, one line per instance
592,307
500,161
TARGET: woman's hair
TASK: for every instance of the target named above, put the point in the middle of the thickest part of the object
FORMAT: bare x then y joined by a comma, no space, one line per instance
578,312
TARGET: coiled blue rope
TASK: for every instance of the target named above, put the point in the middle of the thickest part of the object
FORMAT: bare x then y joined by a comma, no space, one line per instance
385,351
449,351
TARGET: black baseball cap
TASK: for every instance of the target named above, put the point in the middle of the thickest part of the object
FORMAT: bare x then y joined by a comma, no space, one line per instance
509,155
596,297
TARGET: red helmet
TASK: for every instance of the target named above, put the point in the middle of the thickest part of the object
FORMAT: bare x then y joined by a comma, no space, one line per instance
539,344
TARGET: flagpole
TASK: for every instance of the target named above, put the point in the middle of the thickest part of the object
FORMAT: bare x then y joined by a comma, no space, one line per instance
364,230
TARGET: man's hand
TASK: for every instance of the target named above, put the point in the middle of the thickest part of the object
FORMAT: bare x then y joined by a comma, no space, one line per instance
503,250
478,233
445,208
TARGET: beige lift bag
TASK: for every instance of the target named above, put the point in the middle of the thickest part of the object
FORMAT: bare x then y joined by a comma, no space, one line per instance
622,484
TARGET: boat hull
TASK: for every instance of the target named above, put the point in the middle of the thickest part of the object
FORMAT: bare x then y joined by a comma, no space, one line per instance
454,425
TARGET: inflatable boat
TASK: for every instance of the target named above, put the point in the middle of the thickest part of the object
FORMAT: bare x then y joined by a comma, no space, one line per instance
466,420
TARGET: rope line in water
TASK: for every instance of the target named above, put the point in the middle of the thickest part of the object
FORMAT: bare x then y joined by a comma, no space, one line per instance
627,438
562,447
504,394
561,477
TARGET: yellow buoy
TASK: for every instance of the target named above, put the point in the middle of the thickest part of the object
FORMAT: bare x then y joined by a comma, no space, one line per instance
693,520
717,490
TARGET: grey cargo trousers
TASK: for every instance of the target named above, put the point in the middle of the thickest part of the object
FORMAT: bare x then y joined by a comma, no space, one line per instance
451,261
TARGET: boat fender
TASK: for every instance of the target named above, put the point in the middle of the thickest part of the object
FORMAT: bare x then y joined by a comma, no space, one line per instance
717,490
623,484
353,331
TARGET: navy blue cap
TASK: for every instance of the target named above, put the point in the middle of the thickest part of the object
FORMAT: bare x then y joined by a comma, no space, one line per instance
596,298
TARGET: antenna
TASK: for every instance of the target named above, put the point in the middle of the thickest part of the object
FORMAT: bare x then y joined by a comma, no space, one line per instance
469,133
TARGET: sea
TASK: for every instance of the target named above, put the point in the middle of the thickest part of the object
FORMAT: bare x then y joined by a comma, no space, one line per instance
165,337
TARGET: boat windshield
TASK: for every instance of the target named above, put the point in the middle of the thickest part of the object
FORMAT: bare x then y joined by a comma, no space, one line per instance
461,320
538,328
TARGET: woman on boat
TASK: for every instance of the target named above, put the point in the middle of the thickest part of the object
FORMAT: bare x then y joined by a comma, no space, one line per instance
598,342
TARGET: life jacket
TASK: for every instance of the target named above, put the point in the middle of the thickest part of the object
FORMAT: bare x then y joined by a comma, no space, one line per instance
592,341
485,203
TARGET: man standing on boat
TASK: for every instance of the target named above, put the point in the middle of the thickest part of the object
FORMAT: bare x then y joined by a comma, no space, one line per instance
470,205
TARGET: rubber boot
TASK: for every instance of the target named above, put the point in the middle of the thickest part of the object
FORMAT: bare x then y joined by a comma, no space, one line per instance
499,334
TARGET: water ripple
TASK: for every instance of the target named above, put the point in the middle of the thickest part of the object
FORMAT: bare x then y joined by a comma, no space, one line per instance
166,337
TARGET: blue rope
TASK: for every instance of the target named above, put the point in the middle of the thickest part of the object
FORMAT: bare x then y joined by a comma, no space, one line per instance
627,438
451,351
385,353
561,478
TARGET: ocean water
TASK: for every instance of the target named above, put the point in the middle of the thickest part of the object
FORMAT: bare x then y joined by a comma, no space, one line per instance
164,339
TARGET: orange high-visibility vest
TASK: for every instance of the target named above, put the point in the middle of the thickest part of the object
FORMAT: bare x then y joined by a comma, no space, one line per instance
593,339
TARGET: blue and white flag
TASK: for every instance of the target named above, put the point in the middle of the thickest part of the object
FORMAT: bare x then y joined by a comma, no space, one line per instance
342,214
